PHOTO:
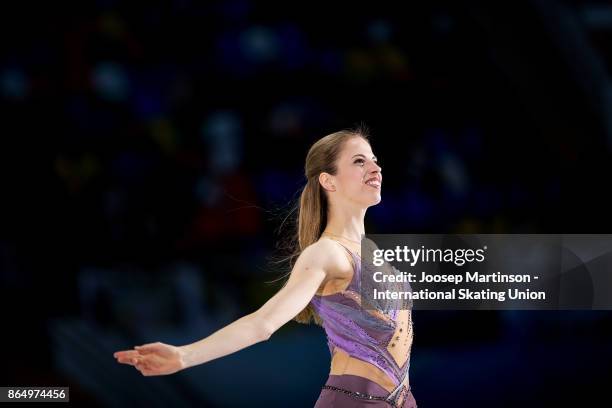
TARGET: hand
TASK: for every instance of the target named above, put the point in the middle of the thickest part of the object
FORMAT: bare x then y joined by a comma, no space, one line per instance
153,358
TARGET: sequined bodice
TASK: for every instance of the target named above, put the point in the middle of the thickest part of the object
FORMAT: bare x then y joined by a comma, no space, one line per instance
366,332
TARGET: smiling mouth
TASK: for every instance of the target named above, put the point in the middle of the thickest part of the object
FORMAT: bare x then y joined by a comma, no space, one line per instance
374,184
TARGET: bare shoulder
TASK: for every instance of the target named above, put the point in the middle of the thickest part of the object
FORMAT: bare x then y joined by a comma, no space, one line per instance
331,257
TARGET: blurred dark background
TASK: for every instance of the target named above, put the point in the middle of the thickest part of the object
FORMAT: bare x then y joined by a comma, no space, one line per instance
150,152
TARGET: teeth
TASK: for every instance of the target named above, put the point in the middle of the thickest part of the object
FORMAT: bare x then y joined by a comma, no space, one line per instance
373,183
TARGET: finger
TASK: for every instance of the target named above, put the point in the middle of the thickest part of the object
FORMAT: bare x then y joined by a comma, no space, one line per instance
149,348
144,370
129,359
125,353
147,373
147,362
141,364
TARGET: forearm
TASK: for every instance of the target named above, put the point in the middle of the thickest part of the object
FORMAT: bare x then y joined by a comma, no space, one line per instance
237,335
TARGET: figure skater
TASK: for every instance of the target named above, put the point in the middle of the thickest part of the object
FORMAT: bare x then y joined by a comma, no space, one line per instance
370,350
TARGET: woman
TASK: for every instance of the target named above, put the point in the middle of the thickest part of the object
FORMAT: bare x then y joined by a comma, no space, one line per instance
370,350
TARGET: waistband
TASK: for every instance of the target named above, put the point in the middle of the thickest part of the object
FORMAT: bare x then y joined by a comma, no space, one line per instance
358,387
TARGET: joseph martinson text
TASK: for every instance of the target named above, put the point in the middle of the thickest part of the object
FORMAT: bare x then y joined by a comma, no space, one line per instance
460,293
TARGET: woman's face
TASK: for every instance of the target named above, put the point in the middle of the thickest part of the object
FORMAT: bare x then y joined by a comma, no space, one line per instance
359,178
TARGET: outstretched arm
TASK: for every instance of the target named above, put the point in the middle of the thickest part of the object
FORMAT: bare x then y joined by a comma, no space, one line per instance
308,273
306,277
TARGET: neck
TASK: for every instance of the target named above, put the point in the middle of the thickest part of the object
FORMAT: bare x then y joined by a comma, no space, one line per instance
346,221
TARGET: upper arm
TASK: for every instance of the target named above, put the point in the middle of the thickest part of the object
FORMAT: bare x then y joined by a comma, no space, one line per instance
310,270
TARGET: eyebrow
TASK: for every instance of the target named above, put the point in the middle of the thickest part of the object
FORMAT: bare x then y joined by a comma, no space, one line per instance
359,154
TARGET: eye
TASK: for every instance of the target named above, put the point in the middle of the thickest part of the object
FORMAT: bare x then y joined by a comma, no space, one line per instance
361,161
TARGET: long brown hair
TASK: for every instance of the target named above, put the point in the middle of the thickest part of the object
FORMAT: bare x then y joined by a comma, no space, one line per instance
311,215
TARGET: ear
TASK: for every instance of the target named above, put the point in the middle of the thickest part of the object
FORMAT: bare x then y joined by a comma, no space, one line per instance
327,181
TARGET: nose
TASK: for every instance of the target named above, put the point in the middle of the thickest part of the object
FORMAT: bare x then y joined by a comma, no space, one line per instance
376,169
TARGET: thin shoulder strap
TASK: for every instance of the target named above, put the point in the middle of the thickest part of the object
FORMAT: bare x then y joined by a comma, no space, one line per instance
351,253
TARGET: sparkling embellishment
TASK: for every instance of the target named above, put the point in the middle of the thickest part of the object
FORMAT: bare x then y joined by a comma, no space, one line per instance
359,394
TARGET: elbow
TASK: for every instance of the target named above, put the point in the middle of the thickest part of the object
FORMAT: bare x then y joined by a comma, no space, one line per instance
266,335
262,328
267,330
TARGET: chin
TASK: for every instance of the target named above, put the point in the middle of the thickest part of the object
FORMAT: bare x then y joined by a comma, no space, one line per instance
375,201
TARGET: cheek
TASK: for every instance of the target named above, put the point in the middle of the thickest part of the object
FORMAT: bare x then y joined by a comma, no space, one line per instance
358,184
352,181
355,179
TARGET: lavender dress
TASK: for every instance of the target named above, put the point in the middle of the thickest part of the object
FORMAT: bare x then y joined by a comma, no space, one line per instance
364,335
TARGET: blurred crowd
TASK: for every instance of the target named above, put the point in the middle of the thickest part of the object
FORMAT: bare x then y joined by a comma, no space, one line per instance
155,149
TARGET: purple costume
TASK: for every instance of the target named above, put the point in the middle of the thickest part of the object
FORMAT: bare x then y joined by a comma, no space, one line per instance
364,332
